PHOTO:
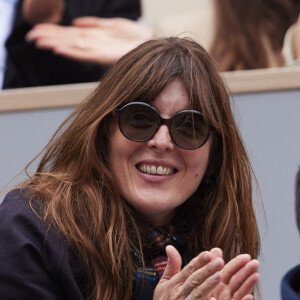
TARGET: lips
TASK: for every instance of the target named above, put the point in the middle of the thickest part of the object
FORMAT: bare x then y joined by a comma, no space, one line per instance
156,169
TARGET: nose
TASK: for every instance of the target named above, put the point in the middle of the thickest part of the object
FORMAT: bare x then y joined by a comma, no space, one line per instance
161,141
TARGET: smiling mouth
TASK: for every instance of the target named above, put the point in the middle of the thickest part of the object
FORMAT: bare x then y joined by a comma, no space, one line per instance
155,170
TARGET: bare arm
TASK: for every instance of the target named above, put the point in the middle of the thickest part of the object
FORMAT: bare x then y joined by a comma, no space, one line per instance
43,11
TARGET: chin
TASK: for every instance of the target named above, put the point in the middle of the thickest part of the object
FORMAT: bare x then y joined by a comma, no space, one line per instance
155,210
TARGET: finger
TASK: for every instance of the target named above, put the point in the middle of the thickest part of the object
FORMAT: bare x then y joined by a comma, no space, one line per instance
33,34
47,43
245,279
91,53
174,263
248,297
96,22
86,21
195,264
247,287
77,54
51,40
200,276
203,290
41,29
234,266
216,252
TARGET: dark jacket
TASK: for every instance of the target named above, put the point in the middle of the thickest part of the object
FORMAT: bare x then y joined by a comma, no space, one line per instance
27,65
290,284
37,263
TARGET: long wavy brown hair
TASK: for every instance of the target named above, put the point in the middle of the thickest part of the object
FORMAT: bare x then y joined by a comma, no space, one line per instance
79,195
249,33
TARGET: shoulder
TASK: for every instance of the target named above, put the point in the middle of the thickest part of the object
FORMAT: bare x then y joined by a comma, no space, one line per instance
16,201
22,225
35,260
290,283
15,205
25,235
16,211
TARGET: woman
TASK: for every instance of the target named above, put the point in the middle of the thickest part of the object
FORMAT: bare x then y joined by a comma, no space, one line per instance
251,35
152,159
291,279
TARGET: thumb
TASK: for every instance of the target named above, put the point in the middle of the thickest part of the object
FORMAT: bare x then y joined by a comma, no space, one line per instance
174,263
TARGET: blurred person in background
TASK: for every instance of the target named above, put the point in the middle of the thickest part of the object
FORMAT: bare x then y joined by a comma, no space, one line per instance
29,66
248,34
291,47
290,284
7,9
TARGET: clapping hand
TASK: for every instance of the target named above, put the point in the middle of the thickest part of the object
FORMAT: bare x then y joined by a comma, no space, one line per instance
206,277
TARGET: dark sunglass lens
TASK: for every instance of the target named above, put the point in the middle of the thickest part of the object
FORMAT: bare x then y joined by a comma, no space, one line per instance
138,122
189,130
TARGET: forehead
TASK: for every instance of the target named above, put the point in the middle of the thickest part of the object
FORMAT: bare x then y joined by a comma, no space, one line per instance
172,99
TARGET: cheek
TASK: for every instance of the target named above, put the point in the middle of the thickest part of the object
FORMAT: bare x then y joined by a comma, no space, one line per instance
199,171
118,151
198,162
116,144
121,152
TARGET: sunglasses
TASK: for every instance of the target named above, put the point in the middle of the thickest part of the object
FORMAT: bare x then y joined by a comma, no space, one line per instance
139,122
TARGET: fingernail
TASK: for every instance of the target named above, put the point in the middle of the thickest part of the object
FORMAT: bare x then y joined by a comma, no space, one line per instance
205,257
217,276
217,263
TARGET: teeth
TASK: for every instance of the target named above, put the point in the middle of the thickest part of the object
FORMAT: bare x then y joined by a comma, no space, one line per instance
155,170
159,170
